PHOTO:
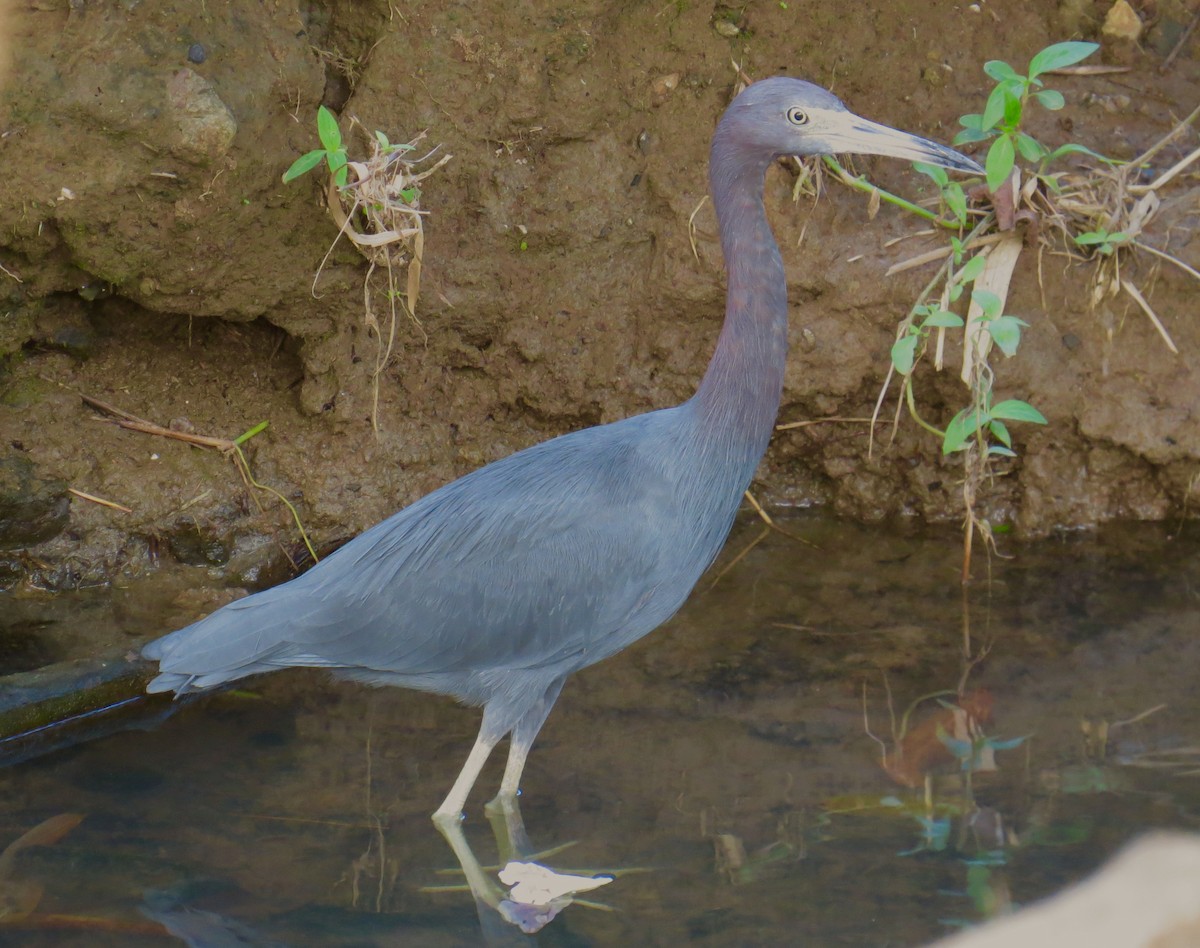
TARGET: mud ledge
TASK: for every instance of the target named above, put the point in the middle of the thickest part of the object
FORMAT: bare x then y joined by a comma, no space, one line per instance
165,269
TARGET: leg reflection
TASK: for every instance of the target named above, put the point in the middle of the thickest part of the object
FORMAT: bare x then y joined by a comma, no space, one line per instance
524,892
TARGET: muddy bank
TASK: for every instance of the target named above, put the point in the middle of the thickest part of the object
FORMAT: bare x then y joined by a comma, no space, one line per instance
154,260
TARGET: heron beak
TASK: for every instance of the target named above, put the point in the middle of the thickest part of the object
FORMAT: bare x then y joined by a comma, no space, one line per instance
858,136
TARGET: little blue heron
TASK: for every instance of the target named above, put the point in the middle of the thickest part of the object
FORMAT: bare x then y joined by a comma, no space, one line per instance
497,586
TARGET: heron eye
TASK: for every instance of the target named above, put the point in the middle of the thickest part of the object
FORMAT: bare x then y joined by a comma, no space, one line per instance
797,116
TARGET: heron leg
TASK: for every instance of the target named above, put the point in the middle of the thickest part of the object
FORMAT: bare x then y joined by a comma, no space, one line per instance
452,807
523,736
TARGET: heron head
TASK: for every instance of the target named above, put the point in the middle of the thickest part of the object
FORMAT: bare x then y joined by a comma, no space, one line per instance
793,117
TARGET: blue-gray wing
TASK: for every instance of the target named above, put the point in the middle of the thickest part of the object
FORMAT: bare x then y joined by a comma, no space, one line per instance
554,557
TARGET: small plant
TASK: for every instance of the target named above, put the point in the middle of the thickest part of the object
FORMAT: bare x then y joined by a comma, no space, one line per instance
1101,241
332,150
1100,211
1005,108
979,263
379,211
983,418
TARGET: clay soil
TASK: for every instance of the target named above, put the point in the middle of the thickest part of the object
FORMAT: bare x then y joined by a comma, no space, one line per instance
154,260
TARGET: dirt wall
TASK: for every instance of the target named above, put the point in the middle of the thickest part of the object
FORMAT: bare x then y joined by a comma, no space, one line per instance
153,259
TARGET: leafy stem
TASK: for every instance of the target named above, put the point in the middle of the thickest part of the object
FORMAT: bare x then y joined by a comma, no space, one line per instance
860,183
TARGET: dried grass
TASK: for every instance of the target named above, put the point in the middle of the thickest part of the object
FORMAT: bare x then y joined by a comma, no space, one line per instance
379,212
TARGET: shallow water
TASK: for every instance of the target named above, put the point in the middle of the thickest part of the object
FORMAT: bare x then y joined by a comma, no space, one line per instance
726,758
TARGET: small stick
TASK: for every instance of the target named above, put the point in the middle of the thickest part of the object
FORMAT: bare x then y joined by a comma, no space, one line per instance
204,441
832,420
1141,301
1180,44
1166,256
1166,176
737,559
1138,717
1087,71
99,500
942,253
766,518
110,409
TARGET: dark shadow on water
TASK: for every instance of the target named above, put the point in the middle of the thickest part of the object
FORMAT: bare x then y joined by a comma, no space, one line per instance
799,757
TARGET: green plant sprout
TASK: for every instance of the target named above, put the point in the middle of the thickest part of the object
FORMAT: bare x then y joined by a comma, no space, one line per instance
982,417
1101,240
378,210
979,262
980,429
1005,108
243,466
332,150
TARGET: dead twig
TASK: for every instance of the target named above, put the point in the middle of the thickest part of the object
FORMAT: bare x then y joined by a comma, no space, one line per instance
832,420
83,495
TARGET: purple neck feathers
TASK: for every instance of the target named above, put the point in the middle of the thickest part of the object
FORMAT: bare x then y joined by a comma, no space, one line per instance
738,399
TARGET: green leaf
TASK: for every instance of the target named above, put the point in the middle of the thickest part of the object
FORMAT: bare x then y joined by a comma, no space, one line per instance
1070,148
1006,333
971,269
1000,430
1101,236
999,70
1050,99
961,427
247,435
1051,181
987,301
904,353
962,750
1060,55
999,163
972,121
1029,147
382,139
940,178
1001,450
997,101
969,135
1012,111
1009,744
327,130
303,164
943,319
409,194
956,201
337,166
1013,409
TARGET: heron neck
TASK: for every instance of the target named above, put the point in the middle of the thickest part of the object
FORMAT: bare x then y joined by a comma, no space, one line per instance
738,399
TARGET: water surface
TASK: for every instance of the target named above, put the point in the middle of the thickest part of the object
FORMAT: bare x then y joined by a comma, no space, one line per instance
735,760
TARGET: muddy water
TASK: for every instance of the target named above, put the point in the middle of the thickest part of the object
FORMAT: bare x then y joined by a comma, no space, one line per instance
729,769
